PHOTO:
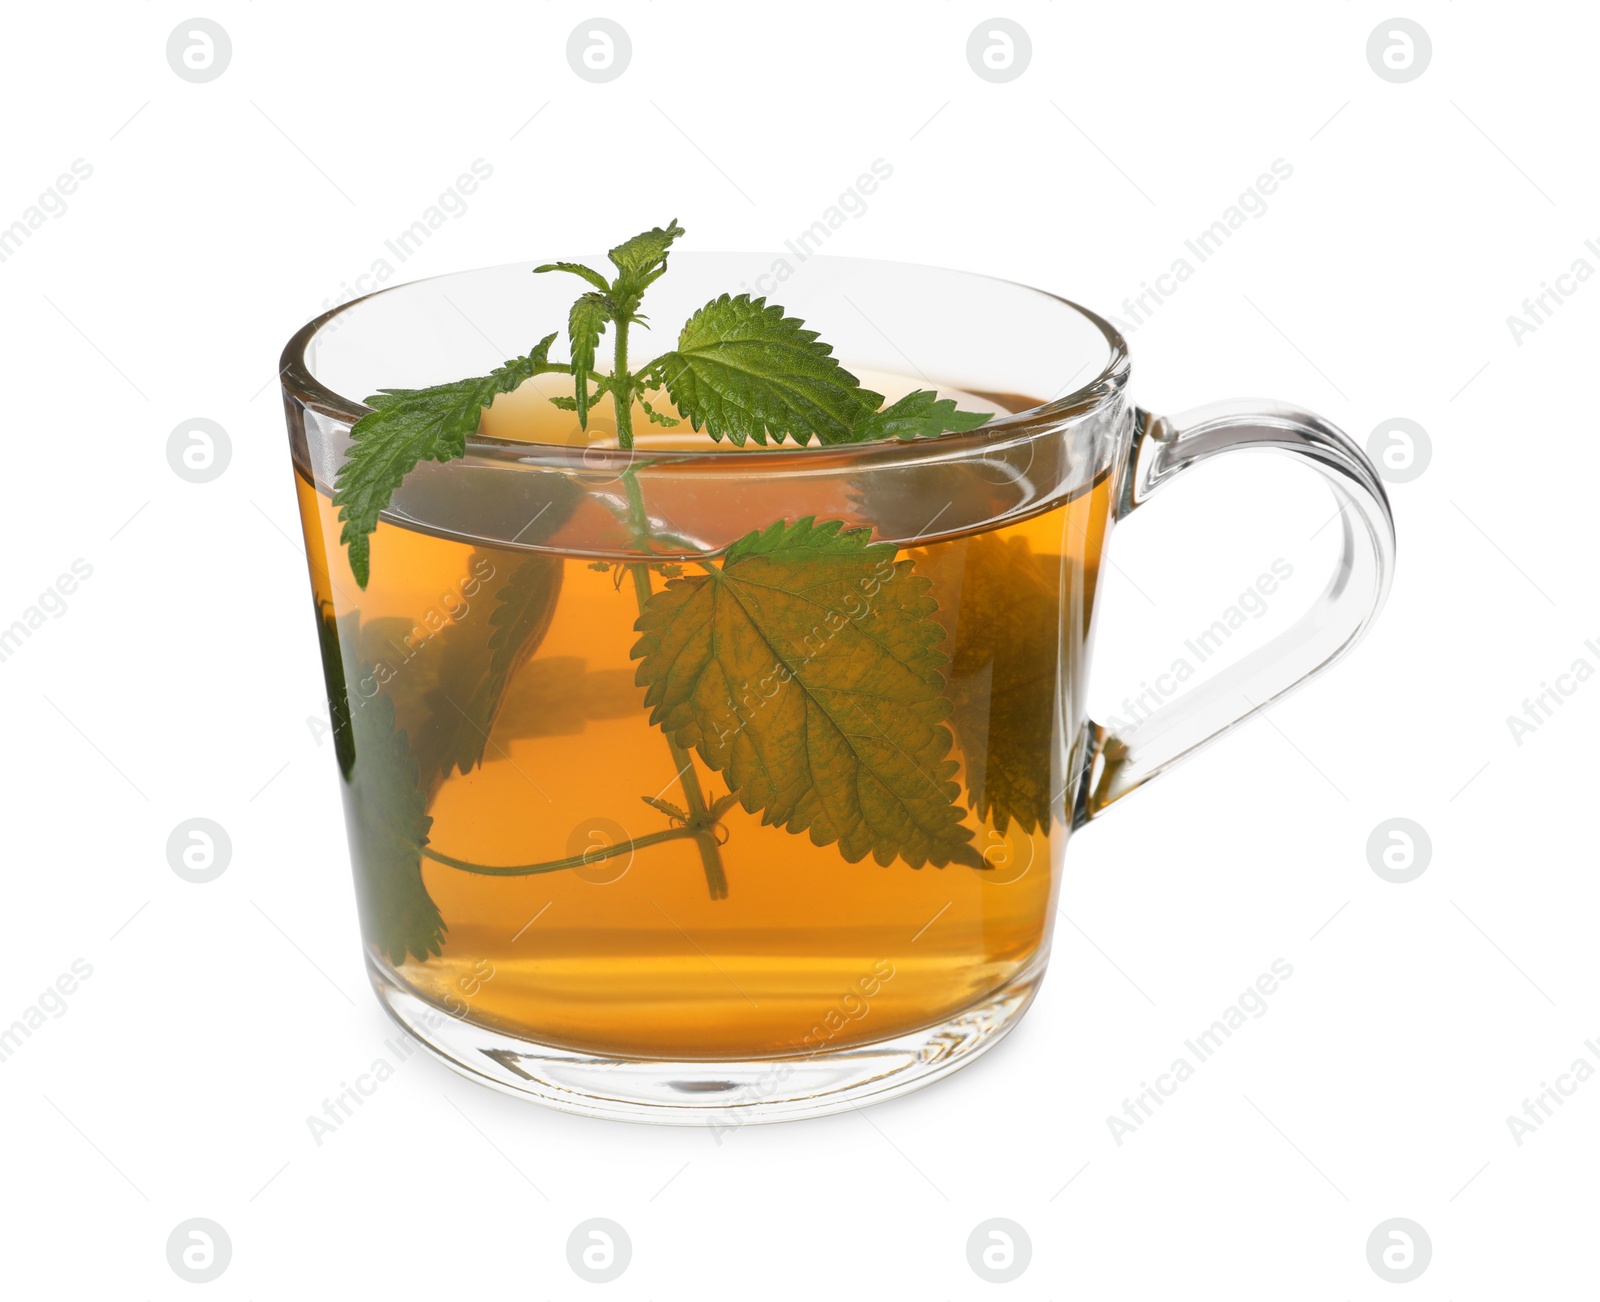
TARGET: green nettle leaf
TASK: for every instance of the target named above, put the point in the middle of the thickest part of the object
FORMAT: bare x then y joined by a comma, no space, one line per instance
643,258
922,413
999,604
386,813
397,660
333,679
666,807
578,269
483,655
449,684
806,669
559,696
743,370
659,417
585,324
404,427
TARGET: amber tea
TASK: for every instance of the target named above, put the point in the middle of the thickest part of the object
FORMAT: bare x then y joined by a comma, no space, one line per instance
588,884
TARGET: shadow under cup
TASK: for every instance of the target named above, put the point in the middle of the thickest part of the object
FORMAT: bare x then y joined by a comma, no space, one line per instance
673,793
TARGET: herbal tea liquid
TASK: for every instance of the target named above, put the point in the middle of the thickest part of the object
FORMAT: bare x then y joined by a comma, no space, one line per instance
630,954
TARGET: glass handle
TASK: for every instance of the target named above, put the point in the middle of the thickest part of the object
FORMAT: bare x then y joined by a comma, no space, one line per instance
1163,448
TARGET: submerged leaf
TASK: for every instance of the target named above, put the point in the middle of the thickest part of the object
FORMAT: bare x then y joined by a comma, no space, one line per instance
806,670
559,696
334,681
1000,606
480,655
666,807
386,816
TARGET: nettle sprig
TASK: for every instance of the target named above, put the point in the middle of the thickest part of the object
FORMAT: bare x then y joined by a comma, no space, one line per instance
742,371
821,700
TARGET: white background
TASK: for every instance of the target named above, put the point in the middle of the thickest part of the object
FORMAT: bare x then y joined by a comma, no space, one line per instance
181,677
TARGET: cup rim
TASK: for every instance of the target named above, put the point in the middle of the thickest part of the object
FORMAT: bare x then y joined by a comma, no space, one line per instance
298,382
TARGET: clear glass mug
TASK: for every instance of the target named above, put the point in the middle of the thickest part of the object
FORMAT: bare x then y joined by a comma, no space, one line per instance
652,821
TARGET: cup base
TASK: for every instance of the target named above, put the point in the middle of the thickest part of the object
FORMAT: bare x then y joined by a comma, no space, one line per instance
714,1093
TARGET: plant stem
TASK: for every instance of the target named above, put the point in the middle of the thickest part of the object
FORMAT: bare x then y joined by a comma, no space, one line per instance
693,797
622,403
591,856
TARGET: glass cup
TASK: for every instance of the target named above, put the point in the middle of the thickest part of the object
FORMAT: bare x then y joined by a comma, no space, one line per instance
675,794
